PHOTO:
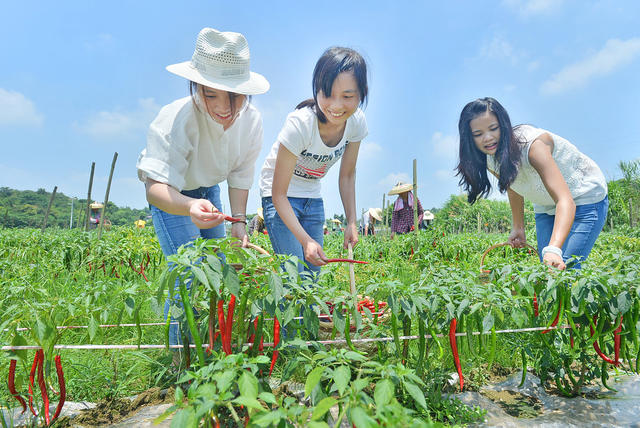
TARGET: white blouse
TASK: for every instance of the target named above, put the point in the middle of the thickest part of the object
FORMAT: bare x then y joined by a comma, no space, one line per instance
187,149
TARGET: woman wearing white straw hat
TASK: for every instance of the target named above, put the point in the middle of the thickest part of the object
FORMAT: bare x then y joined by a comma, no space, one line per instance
402,217
321,131
369,219
201,140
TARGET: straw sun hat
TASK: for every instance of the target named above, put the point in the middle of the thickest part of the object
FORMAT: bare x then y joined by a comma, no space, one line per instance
221,61
400,188
376,213
260,213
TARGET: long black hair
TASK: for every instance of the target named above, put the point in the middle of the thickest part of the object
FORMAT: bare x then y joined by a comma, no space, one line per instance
334,61
472,167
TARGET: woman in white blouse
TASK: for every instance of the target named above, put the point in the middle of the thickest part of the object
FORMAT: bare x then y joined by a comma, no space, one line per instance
199,141
567,188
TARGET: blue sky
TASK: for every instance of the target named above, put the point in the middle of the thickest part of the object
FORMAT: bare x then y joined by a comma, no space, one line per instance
82,79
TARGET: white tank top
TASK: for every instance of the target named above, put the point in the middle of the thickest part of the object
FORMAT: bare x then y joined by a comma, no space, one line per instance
586,182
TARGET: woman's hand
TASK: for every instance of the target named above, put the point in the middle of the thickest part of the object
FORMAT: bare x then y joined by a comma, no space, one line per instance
239,230
204,214
350,235
517,239
313,253
554,260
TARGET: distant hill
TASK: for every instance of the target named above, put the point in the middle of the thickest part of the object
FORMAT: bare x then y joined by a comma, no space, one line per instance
26,208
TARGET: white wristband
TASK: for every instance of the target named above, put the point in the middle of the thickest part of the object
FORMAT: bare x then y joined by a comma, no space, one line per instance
553,250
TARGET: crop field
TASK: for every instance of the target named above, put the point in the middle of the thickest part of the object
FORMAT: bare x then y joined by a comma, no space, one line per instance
426,319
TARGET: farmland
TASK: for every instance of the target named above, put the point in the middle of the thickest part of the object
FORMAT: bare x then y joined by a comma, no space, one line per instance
415,294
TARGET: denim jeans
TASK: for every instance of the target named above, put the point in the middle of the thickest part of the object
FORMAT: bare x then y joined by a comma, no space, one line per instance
310,214
176,230
587,225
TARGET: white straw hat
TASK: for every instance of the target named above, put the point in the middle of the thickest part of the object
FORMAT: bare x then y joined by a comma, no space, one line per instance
376,213
400,188
221,61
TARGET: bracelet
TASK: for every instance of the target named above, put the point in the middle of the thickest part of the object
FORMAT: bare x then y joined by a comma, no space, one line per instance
237,215
553,250
240,221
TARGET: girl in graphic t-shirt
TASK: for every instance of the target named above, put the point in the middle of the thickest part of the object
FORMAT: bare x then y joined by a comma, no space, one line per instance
568,190
315,136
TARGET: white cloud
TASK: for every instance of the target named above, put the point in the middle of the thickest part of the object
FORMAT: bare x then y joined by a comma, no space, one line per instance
614,55
444,146
392,179
16,109
501,49
534,7
369,150
446,175
119,124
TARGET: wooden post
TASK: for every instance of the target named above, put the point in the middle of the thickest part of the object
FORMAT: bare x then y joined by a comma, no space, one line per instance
106,196
87,211
415,199
46,215
384,212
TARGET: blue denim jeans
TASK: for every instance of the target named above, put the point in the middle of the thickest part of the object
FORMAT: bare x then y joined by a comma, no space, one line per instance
176,230
587,225
310,214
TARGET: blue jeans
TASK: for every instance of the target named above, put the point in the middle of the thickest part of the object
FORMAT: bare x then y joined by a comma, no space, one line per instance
176,230
310,214
587,225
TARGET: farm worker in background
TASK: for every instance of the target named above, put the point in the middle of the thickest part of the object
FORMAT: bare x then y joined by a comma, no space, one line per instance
369,219
402,217
315,136
568,190
256,225
201,140
140,223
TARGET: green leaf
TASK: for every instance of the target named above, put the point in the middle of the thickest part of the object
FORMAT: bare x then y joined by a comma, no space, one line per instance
199,273
462,306
341,377
268,419
416,393
248,385
360,418
384,392
275,283
312,380
184,418
323,407
129,305
487,322
231,280
93,328
317,424
354,356
267,397
251,403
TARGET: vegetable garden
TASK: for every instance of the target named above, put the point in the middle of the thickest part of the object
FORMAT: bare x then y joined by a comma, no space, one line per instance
82,320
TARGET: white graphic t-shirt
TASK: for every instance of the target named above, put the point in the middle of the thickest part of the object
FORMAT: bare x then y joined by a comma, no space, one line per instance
300,135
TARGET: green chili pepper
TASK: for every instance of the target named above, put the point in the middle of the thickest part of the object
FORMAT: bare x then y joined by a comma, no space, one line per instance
422,346
406,331
492,351
188,310
523,354
394,329
347,332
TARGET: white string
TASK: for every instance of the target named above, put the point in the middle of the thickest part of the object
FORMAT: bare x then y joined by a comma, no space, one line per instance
270,344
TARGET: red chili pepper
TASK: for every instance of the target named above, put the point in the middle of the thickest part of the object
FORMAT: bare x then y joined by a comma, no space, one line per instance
571,338
597,347
32,375
229,325
346,261
222,324
617,342
535,305
61,386
233,219
89,266
556,319
43,387
276,340
454,350
12,386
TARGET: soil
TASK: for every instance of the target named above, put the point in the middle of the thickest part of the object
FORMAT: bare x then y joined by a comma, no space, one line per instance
112,410
515,404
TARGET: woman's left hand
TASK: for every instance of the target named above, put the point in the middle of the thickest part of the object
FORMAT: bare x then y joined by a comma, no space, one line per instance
239,230
350,235
554,260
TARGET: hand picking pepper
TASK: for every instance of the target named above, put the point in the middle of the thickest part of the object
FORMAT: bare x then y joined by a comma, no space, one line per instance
346,261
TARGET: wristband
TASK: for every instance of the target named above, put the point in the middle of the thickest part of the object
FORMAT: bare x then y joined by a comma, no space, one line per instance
553,250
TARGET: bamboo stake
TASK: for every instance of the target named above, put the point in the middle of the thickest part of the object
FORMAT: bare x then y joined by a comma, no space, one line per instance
46,215
86,217
106,196
384,212
415,199
352,275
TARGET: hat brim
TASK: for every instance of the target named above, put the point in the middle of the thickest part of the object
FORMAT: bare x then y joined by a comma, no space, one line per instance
400,189
375,215
256,83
